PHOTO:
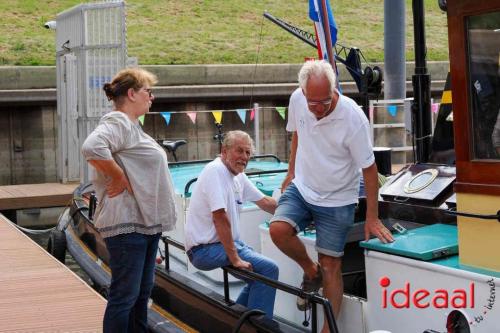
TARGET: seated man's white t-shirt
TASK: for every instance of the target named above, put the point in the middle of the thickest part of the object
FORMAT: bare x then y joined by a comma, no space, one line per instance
217,188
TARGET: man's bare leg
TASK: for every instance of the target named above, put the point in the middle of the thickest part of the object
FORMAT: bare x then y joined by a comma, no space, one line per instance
333,287
285,238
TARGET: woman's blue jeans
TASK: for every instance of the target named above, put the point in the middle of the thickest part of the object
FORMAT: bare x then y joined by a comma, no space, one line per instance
255,295
132,261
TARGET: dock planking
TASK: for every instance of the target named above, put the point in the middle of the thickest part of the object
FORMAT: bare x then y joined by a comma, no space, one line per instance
40,294
35,195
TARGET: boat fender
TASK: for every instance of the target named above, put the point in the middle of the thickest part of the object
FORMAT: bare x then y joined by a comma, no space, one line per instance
56,245
244,317
104,291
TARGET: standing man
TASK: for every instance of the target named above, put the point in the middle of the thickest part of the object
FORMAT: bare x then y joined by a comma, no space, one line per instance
330,144
212,226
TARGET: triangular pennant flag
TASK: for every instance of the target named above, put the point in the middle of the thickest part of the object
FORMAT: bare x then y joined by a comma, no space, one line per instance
252,114
218,116
392,109
435,107
242,113
141,119
281,110
192,116
166,116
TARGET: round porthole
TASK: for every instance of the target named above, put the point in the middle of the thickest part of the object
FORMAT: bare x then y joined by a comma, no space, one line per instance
457,322
420,181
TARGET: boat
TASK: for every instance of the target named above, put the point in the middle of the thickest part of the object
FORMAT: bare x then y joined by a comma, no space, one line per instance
180,290
440,275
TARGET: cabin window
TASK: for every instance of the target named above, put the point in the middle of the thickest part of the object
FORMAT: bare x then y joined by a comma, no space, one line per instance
483,40
420,181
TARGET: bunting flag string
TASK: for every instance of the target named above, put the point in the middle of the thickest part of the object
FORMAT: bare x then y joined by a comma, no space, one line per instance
166,116
261,108
392,109
141,119
435,107
281,111
192,116
242,113
218,116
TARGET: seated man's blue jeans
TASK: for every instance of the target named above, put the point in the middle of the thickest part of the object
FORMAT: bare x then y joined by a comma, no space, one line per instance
132,261
255,295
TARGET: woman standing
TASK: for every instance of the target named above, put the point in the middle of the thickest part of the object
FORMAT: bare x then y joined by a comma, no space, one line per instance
136,198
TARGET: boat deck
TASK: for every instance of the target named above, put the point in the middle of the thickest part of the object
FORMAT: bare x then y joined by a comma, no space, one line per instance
35,195
40,294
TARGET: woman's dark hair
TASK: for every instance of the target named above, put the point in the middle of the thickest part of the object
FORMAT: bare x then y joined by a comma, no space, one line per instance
134,78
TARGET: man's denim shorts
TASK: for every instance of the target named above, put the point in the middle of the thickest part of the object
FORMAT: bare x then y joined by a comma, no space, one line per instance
332,223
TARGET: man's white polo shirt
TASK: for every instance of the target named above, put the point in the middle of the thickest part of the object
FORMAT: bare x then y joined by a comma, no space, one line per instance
331,151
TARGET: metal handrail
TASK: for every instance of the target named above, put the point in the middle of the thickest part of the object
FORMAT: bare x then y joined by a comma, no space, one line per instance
266,155
189,162
265,172
311,297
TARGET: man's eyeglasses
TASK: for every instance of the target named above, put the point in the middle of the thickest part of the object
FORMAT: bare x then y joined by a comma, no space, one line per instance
326,103
149,91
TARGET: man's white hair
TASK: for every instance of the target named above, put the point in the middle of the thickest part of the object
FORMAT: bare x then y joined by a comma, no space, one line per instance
231,136
317,68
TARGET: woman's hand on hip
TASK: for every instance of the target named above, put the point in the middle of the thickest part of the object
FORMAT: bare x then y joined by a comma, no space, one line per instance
117,185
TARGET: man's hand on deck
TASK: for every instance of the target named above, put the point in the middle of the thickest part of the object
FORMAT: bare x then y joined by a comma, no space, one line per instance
374,226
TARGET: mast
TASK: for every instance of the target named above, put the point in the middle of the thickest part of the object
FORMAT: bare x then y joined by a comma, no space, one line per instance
421,107
328,37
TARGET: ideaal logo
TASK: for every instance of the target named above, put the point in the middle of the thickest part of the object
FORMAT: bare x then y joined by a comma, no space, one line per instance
440,298
423,298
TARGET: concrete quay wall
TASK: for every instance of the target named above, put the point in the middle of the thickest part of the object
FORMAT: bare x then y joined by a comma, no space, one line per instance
28,116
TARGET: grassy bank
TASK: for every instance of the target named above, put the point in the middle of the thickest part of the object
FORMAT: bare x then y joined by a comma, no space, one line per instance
215,31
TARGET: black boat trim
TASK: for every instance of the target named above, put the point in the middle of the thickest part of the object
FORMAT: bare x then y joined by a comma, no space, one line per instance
477,216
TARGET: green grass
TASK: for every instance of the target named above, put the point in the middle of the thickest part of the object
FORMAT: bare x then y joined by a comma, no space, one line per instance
215,31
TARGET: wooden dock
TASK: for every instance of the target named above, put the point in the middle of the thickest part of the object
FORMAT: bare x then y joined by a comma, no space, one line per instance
35,195
40,294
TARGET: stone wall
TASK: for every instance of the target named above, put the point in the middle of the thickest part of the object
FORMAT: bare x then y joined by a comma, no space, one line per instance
28,117
27,145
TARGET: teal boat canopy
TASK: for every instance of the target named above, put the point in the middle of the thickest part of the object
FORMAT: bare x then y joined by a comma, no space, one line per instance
182,174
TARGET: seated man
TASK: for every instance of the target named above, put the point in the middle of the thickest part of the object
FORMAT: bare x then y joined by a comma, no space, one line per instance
212,226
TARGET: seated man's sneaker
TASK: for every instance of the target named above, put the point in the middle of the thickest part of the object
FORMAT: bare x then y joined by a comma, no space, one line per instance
309,285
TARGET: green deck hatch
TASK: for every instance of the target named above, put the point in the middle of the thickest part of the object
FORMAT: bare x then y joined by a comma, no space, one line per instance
425,243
